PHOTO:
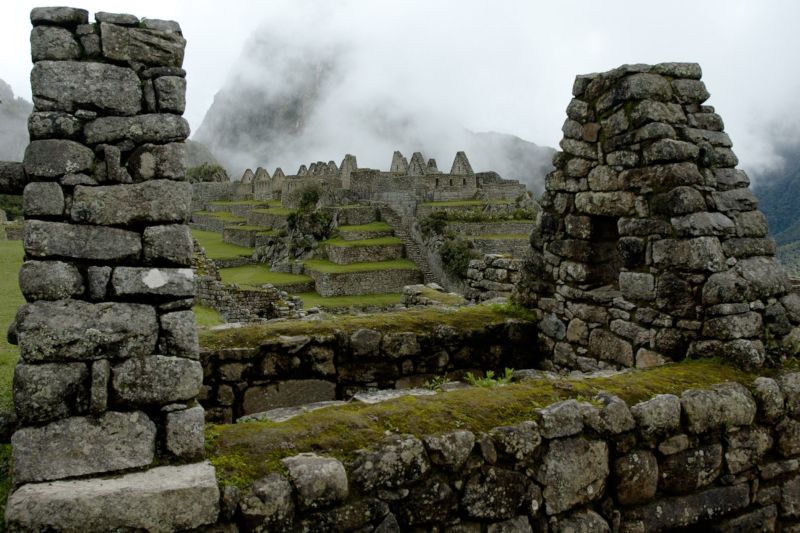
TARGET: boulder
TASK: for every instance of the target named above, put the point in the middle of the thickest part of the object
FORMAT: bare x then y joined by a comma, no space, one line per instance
318,481
449,450
573,471
268,505
395,462
50,391
184,435
518,442
494,494
726,405
637,477
687,471
52,158
142,45
50,280
660,414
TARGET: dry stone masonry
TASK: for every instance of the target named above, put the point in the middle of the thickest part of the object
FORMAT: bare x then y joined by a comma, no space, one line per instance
109,369
650,244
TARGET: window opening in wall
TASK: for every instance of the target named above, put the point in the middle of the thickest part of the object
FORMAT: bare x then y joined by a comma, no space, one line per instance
464,181
437,182
605,261
451,182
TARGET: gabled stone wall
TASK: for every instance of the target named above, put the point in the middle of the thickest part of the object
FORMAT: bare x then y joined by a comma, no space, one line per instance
109,371
650,244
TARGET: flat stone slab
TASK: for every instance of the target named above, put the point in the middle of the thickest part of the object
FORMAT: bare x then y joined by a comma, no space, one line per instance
390,394
167,498
282,414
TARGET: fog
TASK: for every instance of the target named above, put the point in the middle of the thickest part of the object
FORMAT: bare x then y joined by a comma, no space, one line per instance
416,74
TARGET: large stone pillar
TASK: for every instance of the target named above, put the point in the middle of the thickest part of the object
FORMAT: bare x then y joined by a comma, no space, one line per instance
108,375
651,245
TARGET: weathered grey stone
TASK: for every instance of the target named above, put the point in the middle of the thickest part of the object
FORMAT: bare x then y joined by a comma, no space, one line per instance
156,379
733,326
141,129
319,481
637,285
170,94
613,203
765,276
494,494
184,435
50,391
56,239
138,281
690,470
612,418
690,91
552,326
746,448
606,346
287,393
643,86
741,248
359,515
759,521
53,124
734,200
157,201
726,405
573,471
670,150
648,358
560,419
179,335
788,437
158,161
83,445
72,85
42,199
518,524
122,19
660,414
702,224
162,499
701,253
98,278
167,26
652,111
49,280
449,450
98,393
790,499
75,330
399,345
269,505
584,521
48,42
55,157
142,45
790,387
59,16
365,342
769,398
518,442
679,201
745,353
674,444
170,243
398,460
637,477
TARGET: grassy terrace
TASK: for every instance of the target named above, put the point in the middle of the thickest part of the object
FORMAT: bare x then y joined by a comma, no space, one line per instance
207,317
248,202
11,297
502,236
328,267
460,203
379,241
217,249
281,211
419,320
256,275
372,226
313,299
221,215
245,452
262,230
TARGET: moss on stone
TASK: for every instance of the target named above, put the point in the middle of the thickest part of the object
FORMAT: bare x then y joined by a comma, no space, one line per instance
313,299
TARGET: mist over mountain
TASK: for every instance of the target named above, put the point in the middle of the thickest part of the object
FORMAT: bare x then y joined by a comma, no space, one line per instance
293,101
13,124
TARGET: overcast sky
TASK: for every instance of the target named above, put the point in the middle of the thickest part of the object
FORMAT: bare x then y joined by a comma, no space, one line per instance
497,65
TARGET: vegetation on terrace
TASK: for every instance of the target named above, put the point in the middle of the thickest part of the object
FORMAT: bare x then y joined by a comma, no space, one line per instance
279,211
256,275
216,248
372,226
501,236
329,267
221,215
10,262
378,241
461,203
270,203
313,299
245,452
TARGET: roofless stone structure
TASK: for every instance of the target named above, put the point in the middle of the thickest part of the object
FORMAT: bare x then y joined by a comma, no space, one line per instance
650,243
108,377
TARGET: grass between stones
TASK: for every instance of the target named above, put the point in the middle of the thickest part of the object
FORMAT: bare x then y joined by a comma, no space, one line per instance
243,453
216,248
313,299
372,226
459,203
207,317
328,267
256,275
416,320
379,241
445,298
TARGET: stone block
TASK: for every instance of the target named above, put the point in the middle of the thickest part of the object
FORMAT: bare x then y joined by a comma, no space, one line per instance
573,471
679,201
653,111
449,450
765,276
762,520
637,477
59,16
153,161
98,394
769,399
49,42
318,481
700,253
790,388
690,91
179,335
734,200
80,446
170,243
687,471
517,443
365,342
162,499
184,435
156,379
730,178
670,151
141,129
606,346
703,224
170,94
98,281
614,203
49,391
560,419
637,286
144,281
42,199
268,504
661,414
56,239
741,248
73,330
72,85
746,448
53,124
142,45
400,345
726,405
151,202
494,494
648,359
55,157
397,461
286,394
49,280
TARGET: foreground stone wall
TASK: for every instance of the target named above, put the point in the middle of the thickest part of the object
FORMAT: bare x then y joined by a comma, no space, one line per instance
720,459
493,276
109,372
298,369
650,244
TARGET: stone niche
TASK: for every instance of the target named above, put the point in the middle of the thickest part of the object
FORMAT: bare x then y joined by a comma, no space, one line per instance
650,245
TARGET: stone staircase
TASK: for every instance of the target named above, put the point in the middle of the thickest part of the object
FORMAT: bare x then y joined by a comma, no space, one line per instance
413,250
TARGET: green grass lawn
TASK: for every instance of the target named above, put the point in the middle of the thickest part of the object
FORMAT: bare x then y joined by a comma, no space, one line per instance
372,226
256,275
280,211
245,202
460,203
11,298
261,230
328,267
502,236
313,299
207,317
379,241
215,248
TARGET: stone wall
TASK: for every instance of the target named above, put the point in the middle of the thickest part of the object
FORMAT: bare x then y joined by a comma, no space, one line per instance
345,255
366,282
718,459
650,244
298,369
493,276
205,193
109,372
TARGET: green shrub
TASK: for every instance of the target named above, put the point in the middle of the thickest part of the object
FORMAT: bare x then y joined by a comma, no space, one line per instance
435,223
456,254
12,205
207,172
490,380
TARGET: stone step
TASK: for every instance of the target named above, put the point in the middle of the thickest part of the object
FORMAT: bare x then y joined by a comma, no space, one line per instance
162,499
